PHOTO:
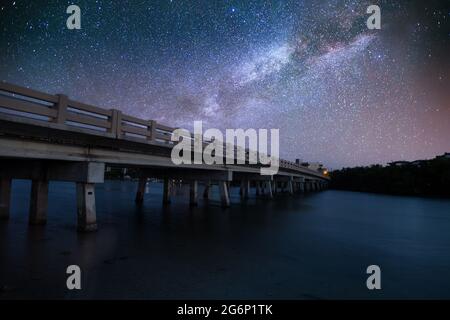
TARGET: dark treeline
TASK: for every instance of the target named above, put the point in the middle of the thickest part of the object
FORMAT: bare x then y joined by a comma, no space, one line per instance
429,178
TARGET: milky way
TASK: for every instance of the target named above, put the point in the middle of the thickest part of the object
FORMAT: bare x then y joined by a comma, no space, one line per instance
339,93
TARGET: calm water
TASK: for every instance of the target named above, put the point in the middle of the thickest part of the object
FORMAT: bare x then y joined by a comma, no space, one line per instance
316,246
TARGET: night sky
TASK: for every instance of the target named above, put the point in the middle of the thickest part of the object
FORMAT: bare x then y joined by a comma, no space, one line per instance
339,93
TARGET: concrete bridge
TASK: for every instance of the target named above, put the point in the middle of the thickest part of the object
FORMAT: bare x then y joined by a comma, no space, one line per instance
47,137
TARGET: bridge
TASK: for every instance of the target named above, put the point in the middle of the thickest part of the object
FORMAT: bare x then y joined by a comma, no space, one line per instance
46,137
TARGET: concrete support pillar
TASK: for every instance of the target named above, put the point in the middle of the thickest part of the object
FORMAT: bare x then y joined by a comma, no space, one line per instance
246,188
274,187
224,195
301,186
269,188
257,183
38,202
290,187
166,191
173,187
86,211
141,190
193,193
207,191
5,197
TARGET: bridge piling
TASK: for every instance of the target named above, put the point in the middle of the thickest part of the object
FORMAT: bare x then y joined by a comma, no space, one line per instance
290,186
141,190
257,187
207,190
301,187
224,194
166,191
5,197
38,202
193,193
86,211
269,188
246,188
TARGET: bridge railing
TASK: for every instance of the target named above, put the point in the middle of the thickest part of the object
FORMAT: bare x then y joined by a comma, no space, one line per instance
26,101
60,112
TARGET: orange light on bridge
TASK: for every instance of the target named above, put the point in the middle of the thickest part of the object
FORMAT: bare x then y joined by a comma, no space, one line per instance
325,172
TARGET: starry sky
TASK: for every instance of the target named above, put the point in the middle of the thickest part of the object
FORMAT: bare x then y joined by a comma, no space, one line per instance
339,93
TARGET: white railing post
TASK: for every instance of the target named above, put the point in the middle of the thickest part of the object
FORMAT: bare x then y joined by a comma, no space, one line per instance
152,130
116,123
61,109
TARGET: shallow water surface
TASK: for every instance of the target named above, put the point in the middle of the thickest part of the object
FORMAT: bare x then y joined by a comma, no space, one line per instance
316,246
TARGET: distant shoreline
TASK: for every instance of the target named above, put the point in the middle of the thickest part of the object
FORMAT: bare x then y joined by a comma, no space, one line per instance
421,196
423,178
